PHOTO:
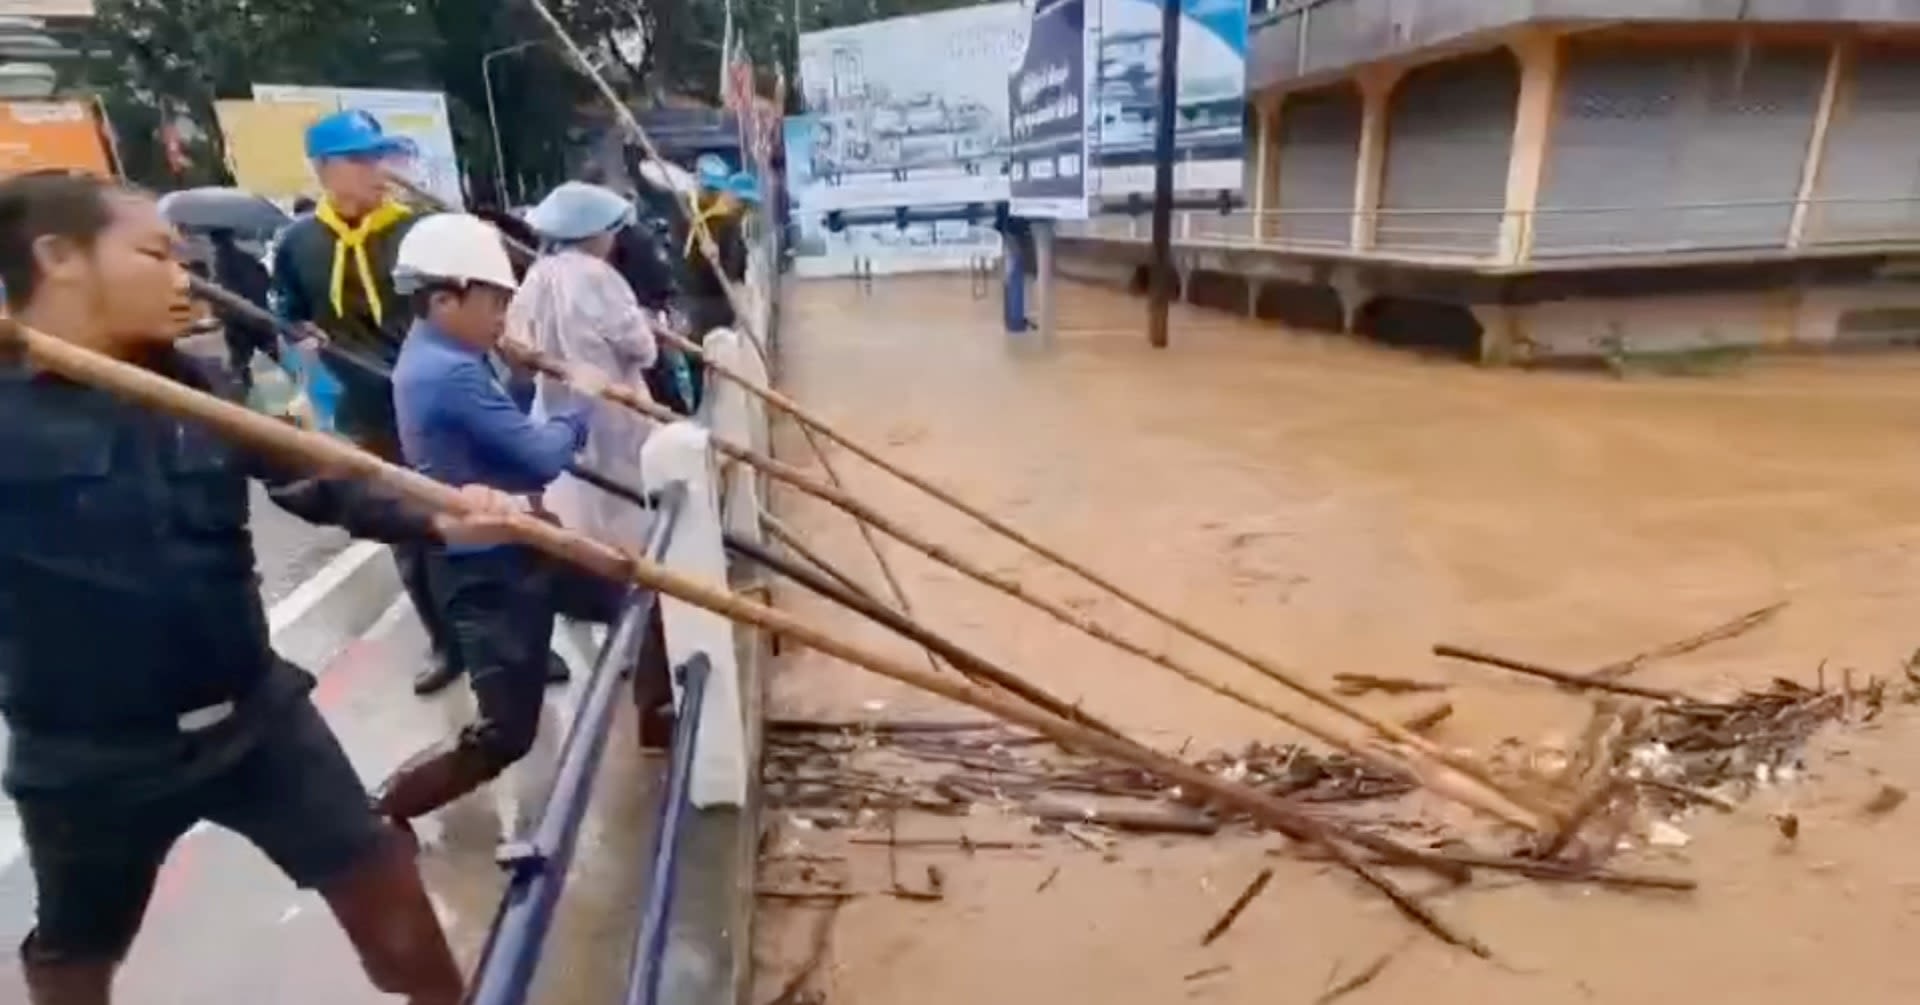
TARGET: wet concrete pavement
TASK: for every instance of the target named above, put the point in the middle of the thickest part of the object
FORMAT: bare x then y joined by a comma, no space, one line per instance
226,926
1336,506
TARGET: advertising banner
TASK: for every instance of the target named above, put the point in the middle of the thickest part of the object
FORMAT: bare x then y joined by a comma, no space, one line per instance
51,134
864,242
421,116
266,146
1209,138
1046,99
911,111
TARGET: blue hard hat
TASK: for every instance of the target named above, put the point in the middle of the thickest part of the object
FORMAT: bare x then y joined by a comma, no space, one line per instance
576,211
713,172
354,133
743,186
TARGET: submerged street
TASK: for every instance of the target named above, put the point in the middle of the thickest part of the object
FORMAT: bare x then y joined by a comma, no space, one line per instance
1339,507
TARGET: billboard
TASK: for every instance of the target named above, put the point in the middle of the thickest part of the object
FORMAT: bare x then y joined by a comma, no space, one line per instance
266,145
1209,139
922,246
46,8
421,116
911,111
51,134
1046,99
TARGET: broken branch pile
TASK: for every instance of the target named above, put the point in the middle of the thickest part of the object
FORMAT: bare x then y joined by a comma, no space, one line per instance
951,769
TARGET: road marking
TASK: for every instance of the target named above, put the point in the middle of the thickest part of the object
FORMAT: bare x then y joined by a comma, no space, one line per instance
315,590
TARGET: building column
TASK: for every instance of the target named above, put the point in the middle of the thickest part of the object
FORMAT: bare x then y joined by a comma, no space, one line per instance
1538,52
1376,96
1803,209
1266,170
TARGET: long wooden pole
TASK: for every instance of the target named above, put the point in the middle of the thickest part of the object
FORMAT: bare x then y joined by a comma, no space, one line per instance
1432,767
337,458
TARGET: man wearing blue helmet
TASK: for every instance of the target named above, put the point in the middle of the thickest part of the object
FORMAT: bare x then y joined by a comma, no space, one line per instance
333,270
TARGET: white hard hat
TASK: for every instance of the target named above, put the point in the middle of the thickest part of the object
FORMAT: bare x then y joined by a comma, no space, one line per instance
452,248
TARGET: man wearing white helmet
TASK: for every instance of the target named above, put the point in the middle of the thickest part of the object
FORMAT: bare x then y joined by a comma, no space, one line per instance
459,425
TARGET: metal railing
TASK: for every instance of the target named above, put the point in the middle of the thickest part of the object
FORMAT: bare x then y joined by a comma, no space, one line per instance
656,912
1480,236
537,866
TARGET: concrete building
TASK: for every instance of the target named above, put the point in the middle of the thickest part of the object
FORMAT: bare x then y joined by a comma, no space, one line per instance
1530,180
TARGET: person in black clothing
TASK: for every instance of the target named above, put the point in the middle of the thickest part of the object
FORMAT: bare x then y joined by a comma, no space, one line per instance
244,274
137,679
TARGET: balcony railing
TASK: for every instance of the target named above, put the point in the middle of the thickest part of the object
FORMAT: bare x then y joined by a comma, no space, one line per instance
1545,236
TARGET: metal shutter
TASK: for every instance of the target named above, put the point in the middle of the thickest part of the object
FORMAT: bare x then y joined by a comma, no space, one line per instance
1676,147
1449,132
1872,158
1318,154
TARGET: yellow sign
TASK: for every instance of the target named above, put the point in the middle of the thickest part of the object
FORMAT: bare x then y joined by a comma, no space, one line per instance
266,145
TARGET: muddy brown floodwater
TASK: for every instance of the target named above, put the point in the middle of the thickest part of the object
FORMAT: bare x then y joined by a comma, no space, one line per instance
1344,508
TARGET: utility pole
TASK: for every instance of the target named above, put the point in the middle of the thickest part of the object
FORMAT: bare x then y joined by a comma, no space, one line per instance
1161,281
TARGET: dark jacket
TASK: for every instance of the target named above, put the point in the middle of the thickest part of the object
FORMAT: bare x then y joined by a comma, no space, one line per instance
242,273
128,592
302,291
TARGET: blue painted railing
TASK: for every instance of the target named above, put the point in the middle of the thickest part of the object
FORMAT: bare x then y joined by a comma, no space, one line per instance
650,945
537,866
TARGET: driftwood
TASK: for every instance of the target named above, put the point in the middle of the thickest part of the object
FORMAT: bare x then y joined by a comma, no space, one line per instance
1731,629
1557,676
322,454
1238,906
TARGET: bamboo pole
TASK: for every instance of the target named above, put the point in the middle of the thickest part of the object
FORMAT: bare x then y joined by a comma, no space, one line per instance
336,458
791,541
1267,668
1427,763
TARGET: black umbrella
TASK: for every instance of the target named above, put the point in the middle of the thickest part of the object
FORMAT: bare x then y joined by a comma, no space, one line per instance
222,209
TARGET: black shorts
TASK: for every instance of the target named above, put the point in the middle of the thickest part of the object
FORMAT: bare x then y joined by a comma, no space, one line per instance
293,793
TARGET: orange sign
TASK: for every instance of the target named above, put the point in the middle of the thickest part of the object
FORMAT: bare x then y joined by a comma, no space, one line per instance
51,134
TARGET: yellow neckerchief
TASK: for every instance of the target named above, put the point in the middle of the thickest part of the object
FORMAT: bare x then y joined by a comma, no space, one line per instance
352,238
716,208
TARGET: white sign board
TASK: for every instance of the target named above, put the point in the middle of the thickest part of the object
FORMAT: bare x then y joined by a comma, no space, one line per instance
911,111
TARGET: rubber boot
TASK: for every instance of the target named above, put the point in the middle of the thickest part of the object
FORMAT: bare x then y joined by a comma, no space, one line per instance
66,983
433,778
383,907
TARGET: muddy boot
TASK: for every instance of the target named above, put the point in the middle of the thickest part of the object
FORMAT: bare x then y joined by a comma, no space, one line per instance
51,982
383,907
433,778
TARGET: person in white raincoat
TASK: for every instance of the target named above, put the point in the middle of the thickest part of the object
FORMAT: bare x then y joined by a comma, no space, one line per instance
575,307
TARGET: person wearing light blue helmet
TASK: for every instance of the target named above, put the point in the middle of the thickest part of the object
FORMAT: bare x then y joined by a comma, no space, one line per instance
576,307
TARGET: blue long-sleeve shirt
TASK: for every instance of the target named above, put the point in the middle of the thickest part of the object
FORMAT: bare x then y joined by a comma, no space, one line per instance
459,425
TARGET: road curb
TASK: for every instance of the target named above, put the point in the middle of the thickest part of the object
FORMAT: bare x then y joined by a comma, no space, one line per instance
334,606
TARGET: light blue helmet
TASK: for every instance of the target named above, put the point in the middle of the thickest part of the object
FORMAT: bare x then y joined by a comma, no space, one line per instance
744,187
713,172
576,211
